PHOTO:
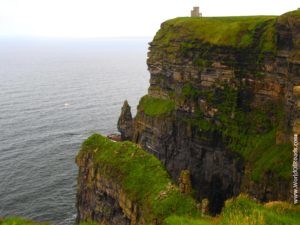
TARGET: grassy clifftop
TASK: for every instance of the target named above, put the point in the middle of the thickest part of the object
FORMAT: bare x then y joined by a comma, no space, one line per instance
238,32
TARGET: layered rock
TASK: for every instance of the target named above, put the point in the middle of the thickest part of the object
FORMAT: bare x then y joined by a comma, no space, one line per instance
102,199
121,184
223,107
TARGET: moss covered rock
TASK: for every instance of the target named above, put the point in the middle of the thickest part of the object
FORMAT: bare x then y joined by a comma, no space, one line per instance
119,183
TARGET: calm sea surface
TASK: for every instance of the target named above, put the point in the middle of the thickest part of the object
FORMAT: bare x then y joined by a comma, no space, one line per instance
53,95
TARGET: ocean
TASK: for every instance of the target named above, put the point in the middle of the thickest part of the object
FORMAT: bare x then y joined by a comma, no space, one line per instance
54,93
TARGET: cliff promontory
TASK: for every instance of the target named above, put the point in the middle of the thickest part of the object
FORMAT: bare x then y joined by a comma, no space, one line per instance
223,103
121,184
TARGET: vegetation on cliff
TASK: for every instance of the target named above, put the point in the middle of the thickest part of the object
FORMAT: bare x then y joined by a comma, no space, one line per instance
141,175
250,132
244,211
237,32
19,221
155,106
147,183
237,211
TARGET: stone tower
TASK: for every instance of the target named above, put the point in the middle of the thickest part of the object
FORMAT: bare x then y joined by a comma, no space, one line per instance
196,12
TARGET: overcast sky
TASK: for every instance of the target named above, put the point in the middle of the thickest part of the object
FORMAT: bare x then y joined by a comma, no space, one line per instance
117,18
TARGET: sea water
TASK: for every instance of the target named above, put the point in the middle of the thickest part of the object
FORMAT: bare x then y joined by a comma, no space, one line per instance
54,93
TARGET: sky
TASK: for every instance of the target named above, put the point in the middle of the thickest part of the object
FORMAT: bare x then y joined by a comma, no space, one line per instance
117,18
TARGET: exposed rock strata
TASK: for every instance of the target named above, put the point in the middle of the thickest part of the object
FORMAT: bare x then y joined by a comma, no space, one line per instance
121,184
102,199
196,76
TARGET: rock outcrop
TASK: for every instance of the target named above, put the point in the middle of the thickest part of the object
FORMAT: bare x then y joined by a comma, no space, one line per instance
223,103
125,122
121,184
102,199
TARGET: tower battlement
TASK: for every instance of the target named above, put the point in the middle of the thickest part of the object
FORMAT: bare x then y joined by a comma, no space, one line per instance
195,12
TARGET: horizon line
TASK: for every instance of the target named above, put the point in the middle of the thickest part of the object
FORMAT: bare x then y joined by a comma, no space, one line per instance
72,37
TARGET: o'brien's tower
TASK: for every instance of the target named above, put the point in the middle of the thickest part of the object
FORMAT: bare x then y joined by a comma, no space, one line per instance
195,12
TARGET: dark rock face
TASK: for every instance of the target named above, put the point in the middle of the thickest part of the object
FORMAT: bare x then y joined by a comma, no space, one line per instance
218,172
102,199
125,125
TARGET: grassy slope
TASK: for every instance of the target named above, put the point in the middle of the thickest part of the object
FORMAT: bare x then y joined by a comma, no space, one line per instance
243,211
235,32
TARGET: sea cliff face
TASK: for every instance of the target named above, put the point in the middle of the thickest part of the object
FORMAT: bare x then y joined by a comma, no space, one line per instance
223,104
121,184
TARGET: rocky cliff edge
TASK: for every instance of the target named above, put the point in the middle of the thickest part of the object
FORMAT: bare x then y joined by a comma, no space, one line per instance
223,103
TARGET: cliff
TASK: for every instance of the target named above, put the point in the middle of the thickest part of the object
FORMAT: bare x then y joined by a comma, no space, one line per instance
121,184
223,103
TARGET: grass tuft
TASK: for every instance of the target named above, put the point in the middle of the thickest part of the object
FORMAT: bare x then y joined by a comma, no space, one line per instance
155,106
19,221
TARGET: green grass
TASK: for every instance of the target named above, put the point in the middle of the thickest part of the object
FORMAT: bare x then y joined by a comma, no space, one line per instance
89,223
19,221
263,153
185,220
141,175
243,211
237,32
267,41
189,91
155,106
